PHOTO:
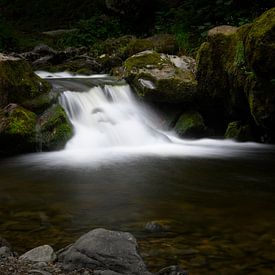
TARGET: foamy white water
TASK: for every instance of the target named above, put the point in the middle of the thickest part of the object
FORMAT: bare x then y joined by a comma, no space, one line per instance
111,126
109,116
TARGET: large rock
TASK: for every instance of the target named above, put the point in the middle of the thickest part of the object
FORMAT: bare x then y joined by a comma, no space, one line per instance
18,82
17,130
156,78
236,75
105,250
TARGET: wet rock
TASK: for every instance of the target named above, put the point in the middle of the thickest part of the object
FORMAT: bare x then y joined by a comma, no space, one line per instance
191,124
108,62
44,50
156,226
155,78
44,253
101,250
236,130
172,270
53,129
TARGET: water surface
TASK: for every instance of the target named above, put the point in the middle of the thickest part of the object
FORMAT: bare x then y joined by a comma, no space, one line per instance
218,208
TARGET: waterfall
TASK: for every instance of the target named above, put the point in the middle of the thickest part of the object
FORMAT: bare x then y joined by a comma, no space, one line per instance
111,125
108,116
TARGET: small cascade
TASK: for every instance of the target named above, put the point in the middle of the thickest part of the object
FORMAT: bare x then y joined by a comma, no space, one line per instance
109,116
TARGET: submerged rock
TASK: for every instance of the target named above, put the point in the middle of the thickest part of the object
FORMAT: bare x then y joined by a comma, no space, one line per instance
172,270
155,78
157,226
104,250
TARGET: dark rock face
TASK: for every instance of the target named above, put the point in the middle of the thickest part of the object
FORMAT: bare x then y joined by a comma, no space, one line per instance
102,250
236,75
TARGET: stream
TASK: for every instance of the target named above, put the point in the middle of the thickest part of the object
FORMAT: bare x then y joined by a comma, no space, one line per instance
214,200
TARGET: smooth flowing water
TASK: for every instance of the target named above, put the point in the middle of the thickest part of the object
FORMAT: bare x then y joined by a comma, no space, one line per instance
213,198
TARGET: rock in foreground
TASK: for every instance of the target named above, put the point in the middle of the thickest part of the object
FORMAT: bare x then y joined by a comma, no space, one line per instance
104,250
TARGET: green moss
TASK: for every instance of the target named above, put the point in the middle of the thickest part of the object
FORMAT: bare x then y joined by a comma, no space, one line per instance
21,122
263,23
239,60
138,45
18,82
55,130
145,59
190,124
239,132
17,129
260,46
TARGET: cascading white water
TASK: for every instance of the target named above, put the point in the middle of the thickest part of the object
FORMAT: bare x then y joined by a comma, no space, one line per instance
111,126
109,116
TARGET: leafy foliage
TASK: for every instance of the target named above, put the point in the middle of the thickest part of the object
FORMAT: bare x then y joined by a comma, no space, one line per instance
7,37
189,20
91,30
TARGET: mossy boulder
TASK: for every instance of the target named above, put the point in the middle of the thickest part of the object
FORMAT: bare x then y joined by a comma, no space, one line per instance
54,129
220,77
236,75
190,124
260,45
17,130
18,83
155,78
238,131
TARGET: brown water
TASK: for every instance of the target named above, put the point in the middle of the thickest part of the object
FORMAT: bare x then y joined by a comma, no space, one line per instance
218,210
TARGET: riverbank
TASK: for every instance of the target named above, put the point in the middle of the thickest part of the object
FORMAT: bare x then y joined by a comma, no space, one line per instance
99,252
